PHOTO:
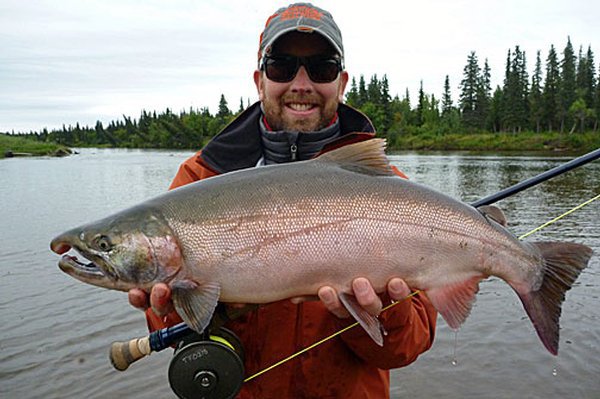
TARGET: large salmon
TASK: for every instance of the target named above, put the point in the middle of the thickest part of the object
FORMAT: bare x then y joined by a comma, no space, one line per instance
265,234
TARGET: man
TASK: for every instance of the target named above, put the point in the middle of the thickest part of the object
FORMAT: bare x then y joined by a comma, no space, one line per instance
301,82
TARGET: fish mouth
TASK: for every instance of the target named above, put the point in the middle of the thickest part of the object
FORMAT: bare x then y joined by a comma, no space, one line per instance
91,269
72,265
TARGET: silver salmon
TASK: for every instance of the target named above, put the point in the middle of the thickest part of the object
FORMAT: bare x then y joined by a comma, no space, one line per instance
275,232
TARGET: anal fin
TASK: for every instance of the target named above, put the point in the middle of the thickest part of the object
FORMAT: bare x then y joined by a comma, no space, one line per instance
195,302
454,302
367,321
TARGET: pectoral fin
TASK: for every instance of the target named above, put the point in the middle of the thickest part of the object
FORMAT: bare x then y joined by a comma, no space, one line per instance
367,321
195,302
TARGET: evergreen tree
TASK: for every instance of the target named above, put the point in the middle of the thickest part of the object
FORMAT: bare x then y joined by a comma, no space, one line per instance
446,98
515,109
494,118
550,95
586,82
224,111
386,100
374,91
568,85
362,92
385,91
484,96
536,106
352,95
469,86
421,106
450,118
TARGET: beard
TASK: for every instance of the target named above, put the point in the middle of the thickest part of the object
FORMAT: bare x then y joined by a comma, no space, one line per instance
279,119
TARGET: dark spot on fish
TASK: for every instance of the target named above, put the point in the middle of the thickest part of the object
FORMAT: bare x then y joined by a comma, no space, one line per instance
422,259
462,244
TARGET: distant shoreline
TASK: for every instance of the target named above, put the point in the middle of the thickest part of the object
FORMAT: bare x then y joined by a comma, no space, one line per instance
12,147
499,142
524,142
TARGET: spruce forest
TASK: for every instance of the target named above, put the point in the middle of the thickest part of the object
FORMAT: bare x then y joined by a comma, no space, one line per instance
562,95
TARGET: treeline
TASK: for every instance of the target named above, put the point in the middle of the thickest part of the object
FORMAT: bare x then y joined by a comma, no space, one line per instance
561,95
185,130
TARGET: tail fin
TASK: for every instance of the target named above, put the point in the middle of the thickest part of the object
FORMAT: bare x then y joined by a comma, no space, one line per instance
562,264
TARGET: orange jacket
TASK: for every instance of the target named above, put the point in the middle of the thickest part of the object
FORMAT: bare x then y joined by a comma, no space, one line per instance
348,366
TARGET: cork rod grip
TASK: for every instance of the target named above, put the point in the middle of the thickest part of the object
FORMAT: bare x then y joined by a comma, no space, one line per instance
123,354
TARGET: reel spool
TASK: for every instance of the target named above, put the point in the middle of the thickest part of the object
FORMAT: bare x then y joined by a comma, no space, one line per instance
207,367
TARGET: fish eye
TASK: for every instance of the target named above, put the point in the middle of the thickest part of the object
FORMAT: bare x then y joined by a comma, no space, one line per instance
103,243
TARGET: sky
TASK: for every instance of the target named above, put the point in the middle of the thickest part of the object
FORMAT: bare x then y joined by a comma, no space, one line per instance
80,61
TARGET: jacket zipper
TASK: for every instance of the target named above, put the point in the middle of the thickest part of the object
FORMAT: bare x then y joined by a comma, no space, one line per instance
294,151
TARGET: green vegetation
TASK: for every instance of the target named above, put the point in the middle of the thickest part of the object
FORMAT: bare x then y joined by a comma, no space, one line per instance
26,146
558,108
524,141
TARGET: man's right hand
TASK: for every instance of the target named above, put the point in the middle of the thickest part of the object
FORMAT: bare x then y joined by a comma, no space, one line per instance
163,312
159,299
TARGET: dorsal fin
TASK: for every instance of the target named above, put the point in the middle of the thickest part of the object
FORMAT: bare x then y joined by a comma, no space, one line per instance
366,157
494,213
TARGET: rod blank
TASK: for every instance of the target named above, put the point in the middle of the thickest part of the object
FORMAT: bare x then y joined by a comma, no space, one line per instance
542,177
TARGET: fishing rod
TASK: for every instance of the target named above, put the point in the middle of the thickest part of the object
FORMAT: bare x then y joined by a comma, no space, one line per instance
214,357
535,180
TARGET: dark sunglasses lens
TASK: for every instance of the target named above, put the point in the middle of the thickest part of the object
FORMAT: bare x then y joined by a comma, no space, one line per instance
323,71
282,70
319,70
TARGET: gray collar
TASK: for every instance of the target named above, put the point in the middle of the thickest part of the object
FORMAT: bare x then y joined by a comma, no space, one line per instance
282,146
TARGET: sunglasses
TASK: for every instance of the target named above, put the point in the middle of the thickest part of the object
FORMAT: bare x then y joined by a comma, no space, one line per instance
283,68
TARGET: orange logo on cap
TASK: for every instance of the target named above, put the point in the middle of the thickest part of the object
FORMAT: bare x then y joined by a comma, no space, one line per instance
299,12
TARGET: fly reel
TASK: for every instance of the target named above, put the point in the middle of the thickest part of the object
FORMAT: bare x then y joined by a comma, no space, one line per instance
207,366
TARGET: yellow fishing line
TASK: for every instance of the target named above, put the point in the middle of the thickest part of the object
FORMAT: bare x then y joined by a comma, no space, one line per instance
560,217
335,334
279,363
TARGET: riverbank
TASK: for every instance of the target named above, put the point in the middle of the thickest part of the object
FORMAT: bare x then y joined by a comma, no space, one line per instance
21,146
483,142
476,142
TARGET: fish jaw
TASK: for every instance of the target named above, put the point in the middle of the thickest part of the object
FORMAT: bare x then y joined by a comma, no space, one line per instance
133,249
91,273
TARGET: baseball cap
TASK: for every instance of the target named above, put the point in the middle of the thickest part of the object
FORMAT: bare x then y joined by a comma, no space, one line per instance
302,17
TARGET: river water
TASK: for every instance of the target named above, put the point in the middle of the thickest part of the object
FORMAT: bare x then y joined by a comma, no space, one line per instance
56,331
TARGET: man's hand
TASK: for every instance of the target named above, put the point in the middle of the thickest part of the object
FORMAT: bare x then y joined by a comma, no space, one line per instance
159,299
365,295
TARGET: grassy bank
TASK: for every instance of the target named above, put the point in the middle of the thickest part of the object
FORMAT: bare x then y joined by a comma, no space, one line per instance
524,141
21,146
479,142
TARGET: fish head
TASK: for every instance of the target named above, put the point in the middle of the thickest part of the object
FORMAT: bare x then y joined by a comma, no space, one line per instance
133,248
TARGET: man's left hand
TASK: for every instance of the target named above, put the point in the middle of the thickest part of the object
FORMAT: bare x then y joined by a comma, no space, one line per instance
365,295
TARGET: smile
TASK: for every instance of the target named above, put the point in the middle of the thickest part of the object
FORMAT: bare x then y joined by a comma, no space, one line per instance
300,107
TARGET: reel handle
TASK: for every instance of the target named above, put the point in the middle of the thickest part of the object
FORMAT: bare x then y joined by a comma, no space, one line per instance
123,354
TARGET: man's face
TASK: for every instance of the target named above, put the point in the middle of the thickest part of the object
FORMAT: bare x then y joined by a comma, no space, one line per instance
301,104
